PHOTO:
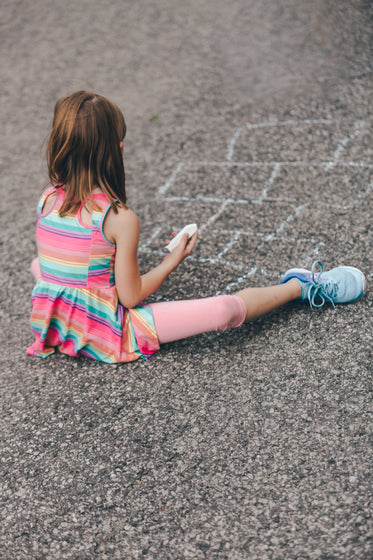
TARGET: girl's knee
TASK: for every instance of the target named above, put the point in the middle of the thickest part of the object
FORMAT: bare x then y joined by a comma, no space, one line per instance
230,312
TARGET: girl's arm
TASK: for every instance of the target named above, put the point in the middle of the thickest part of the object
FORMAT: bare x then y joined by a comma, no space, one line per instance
123,229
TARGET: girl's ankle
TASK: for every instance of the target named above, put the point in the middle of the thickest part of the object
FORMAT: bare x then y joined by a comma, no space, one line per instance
296,287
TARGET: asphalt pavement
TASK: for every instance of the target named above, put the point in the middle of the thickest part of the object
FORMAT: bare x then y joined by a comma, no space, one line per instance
253,120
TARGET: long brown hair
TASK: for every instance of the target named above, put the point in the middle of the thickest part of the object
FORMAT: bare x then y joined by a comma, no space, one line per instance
84,150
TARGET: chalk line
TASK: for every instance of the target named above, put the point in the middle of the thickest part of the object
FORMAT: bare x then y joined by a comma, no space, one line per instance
359,197
151,238
213,218
233,142
315,252
248,201
258,163
249,126
231,242
343,143
287,123
232,285
268,184
271,236
164,188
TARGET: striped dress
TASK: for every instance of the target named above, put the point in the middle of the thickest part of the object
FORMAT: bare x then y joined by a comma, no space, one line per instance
75,303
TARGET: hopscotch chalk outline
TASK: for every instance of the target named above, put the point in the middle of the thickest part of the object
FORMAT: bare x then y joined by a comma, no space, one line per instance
275,167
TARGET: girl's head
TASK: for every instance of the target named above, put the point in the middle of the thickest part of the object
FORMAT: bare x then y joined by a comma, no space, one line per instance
85,149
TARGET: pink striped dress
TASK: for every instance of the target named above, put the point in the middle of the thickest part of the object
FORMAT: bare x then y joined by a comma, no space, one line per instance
75,303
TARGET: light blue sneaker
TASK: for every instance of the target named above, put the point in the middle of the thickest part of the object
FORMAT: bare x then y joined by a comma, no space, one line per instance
340,285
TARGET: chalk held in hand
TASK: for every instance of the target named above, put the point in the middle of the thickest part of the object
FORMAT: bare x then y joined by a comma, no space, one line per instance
190,229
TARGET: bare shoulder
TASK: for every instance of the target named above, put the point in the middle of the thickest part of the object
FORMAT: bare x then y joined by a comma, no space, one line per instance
121,224
125,217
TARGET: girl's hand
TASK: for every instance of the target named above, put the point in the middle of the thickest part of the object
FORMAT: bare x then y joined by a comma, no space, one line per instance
133,287
182,249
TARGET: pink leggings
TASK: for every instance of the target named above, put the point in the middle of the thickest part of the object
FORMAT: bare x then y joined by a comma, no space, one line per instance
179,319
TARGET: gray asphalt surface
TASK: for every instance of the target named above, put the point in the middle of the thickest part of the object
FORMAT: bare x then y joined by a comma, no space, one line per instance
253,119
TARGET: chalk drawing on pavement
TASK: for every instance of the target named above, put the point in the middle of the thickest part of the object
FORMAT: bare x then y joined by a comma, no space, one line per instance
170,192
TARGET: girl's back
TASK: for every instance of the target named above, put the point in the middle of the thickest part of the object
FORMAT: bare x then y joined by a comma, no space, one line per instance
72,252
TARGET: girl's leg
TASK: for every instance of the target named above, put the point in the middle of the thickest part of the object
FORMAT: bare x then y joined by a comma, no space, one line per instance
180,319
259,301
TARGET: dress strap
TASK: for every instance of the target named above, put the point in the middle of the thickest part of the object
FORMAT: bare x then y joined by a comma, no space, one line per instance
98,218
46,194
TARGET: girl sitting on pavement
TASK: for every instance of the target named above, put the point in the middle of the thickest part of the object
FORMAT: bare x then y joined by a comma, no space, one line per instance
88,298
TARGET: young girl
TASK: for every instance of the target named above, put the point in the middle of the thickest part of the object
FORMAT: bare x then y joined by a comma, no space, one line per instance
89,291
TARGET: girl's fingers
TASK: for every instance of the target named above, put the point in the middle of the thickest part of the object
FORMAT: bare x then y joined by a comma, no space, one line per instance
183,243
184,248
189,243
181,248
192,242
